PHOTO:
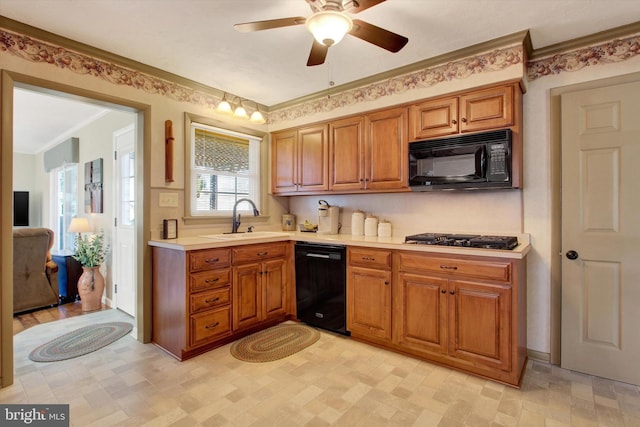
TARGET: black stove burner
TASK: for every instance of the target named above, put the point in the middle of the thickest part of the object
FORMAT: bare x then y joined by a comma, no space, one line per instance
464,240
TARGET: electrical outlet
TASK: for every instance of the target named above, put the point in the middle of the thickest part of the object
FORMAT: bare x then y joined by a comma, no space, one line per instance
168,200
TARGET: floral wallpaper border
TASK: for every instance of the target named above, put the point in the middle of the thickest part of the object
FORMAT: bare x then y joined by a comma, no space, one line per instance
495,60
34,50
613,51
38,51
41,52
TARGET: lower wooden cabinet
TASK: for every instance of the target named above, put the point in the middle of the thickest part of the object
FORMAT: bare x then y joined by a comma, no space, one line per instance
466,320
465,312
369,292
369,302
206,298
260,287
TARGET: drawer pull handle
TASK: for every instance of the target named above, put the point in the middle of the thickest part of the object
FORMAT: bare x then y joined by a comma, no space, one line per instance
449,267
212,280
209,301
211,260
212,326
368,258
444,291
263,253
452,292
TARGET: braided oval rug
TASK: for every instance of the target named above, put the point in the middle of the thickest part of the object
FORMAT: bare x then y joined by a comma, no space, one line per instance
274,343
81,341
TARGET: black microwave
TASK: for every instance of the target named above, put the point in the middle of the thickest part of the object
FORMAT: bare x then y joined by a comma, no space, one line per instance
467,162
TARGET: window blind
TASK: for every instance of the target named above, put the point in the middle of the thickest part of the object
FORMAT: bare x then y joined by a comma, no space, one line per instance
221,153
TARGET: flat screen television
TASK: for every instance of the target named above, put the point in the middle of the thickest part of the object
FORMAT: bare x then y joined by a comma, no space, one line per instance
20,208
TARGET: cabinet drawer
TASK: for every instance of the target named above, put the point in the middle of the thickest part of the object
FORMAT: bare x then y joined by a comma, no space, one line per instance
208,259
209,299
209,325
491,270
369,257
209,279
254,253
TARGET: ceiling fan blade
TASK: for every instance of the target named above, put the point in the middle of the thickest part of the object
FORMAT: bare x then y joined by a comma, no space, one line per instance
247,27
379,36
360,5
318,54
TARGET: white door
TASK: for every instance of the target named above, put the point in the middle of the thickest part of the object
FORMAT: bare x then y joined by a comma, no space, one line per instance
124,254
601,232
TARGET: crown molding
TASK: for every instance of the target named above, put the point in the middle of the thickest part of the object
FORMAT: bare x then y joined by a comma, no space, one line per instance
581,42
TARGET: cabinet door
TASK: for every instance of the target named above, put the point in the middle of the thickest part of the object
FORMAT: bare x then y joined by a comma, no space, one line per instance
274,288
247,296
386,150
369,302
313,155
284,161
486,109
346,154
433,118
480,323
422,318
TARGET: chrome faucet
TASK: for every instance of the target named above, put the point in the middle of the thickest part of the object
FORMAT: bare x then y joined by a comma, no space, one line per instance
236,218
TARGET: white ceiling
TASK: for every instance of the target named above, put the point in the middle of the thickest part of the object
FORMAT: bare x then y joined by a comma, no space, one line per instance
196,39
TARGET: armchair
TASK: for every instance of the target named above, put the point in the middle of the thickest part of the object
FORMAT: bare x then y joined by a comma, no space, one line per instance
35,275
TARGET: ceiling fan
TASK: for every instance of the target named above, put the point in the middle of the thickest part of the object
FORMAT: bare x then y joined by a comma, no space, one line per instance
329,23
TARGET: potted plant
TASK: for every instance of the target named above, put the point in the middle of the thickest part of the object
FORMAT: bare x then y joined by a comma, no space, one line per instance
90,253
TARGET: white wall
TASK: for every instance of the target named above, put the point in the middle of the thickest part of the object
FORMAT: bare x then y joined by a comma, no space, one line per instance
28,175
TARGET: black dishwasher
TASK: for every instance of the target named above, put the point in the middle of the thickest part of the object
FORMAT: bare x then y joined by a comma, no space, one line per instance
321,286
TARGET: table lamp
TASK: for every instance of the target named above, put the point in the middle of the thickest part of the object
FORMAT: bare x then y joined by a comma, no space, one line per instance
79,225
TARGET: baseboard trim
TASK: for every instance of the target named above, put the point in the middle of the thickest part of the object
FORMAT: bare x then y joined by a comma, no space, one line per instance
538,355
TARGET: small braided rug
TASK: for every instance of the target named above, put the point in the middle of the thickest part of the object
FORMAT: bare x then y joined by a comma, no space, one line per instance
81,341
274,343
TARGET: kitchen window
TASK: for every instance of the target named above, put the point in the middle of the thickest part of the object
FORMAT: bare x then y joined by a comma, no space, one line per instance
224,167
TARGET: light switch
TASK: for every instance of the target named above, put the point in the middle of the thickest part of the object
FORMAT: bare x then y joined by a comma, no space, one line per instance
168,200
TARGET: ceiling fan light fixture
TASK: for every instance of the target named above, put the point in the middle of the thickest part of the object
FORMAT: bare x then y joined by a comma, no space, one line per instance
328,27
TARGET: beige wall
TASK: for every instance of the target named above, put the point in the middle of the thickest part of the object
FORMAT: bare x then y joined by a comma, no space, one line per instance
504,212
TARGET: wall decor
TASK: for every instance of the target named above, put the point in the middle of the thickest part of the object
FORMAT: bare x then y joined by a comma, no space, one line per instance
169,228
93,186
168,151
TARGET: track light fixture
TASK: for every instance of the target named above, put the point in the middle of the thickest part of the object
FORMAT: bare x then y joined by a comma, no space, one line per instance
236,109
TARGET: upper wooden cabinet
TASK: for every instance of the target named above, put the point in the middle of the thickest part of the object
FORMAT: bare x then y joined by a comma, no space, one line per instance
469,112
300,160
386,150
346,154
369,152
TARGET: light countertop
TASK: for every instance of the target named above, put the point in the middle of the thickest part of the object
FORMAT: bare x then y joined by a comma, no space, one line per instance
397,243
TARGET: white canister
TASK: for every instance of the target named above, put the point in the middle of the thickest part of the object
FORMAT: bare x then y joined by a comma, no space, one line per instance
371,226
357,223
384,228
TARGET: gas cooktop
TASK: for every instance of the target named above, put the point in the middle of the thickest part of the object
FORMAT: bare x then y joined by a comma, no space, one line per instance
464,240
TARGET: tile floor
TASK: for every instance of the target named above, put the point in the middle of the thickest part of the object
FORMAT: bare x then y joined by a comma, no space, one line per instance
336,381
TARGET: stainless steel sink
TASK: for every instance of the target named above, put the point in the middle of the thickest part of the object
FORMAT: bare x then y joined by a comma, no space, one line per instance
244,236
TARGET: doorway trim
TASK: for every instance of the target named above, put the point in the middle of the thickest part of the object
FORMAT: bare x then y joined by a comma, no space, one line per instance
556,198
8,81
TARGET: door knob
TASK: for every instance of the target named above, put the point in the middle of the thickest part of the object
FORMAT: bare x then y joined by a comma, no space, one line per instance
572,254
